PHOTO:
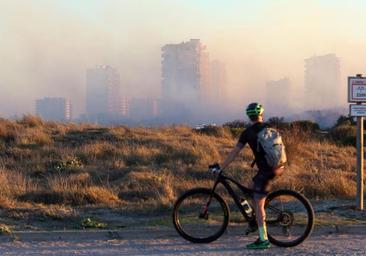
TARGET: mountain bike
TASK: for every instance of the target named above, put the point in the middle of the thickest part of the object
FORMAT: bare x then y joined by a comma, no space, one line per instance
201,215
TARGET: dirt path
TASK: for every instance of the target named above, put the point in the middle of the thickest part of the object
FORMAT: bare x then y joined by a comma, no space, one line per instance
168,243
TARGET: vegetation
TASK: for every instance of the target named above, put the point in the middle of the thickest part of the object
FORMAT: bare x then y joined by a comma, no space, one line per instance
91,223
4,229
55,167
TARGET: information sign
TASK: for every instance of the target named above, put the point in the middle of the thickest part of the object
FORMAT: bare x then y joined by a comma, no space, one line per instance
356,89
357,110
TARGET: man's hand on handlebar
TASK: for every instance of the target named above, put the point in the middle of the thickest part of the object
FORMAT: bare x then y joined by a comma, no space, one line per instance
214,168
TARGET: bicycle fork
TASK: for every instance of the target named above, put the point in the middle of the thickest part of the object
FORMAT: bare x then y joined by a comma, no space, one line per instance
204,213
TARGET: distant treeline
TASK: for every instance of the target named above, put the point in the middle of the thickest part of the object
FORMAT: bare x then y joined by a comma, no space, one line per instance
343,132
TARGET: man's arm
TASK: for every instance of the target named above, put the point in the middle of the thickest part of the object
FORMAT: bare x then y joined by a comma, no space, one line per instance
232,155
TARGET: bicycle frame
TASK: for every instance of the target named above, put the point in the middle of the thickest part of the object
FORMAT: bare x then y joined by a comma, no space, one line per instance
222,179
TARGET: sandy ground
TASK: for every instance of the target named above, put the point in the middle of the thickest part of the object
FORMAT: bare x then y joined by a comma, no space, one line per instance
167,242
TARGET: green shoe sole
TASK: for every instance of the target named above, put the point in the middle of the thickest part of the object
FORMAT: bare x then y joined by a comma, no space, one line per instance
259,247
266,245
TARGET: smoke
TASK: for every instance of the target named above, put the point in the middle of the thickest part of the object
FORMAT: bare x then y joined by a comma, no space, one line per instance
46,46
45,51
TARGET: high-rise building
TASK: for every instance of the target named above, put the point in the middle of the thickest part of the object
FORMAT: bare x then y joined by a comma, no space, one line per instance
322,82
185,71
125,107
102,92
54,109
278,95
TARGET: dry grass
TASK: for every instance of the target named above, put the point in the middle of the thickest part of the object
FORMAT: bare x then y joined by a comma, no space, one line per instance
147,185
56,166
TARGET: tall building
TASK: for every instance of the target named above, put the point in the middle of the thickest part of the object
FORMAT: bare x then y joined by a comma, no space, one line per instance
185,71
102,92
278,95
54,109
322,82
124,107
218,80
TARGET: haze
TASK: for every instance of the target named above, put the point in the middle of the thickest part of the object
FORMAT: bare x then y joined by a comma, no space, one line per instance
46,46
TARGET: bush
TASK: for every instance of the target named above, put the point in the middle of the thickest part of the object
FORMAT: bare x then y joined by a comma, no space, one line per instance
31,121
236,124
34,137
4,229
211,130
69,164
345,120
305,125
8,131
91,223
278,122
344,135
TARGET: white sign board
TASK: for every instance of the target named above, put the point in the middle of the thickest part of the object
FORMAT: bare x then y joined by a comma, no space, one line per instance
357,110
356,89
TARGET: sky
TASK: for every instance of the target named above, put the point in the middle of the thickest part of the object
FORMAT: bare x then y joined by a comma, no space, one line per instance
47,45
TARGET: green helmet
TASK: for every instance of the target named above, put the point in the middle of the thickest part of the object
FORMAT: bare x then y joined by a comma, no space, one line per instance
254,110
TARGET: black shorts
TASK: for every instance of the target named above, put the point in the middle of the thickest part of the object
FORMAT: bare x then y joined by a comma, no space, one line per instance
262,181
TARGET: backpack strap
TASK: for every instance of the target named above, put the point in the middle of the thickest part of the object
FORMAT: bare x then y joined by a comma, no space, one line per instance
261,129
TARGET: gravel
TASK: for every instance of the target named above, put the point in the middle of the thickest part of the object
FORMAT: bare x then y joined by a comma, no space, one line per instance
170,244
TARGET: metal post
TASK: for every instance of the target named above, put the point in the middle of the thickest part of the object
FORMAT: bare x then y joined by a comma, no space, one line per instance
360,157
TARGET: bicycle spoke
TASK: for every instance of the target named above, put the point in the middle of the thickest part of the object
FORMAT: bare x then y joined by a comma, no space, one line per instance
200,216
287,218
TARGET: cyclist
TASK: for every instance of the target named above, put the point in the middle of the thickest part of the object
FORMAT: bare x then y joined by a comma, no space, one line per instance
264,175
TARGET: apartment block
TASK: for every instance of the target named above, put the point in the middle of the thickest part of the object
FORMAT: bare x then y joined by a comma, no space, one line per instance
185,72
102,91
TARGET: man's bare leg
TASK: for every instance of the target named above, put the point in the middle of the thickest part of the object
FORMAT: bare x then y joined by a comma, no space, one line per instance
259,202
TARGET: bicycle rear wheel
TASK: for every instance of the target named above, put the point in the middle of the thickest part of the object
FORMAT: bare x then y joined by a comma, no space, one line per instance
289,218
200,216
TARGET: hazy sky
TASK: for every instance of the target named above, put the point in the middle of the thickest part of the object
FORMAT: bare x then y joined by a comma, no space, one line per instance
47,45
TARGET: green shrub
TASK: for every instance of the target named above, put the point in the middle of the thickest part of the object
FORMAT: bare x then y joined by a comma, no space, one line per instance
70,163
344,135
91,223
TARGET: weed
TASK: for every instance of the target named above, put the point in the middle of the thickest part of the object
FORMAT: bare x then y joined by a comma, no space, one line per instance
91,223
71,163
4,229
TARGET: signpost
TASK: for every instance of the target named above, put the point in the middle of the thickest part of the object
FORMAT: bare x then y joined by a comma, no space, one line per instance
357,93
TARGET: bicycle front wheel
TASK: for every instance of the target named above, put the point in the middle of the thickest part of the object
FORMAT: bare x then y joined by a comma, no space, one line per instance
200,216
289,218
